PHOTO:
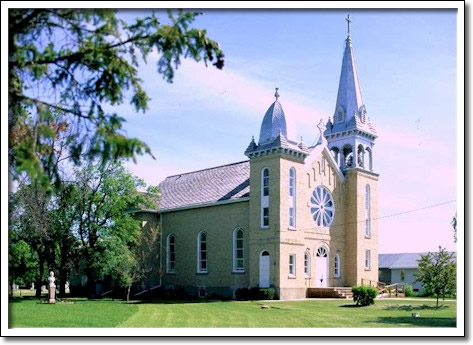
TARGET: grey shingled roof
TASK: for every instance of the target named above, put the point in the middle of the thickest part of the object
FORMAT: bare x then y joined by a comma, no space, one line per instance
401,260
223,183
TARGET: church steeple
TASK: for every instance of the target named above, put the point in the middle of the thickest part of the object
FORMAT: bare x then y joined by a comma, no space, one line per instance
351,135
349,100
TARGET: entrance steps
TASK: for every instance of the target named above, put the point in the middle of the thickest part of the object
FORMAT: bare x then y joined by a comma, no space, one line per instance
330,292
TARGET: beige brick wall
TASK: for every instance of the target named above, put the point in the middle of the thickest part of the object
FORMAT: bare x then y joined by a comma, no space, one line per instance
149,243
307,235
219,223
357,242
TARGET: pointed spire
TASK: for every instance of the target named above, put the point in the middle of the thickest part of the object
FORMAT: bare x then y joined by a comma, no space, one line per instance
349,98
276,94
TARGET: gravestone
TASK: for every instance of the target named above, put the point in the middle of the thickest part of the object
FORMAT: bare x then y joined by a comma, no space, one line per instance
43,289
52,288
67,290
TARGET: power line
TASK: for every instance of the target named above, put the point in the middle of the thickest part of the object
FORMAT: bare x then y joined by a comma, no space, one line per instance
386,216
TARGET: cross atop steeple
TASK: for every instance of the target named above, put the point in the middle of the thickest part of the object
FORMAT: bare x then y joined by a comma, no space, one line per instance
276,94
349,24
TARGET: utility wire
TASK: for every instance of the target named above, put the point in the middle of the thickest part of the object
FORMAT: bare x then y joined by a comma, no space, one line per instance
382,217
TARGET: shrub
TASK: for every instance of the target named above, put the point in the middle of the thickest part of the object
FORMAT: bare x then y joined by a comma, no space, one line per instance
245,294
409,291
241,294
267,293
364,295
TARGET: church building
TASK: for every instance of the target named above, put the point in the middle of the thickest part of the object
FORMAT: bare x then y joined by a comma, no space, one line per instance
291,217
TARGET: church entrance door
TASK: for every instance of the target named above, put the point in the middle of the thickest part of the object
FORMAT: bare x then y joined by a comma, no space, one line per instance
264,269
321,267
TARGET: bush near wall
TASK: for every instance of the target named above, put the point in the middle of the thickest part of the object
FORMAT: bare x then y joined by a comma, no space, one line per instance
245,294
364,295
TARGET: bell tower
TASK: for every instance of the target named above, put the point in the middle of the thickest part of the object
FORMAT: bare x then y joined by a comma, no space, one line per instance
350,138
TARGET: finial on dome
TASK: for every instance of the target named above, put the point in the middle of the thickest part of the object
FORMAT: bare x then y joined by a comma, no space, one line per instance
276,94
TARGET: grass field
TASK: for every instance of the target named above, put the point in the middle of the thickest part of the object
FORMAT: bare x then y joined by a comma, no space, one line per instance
29,312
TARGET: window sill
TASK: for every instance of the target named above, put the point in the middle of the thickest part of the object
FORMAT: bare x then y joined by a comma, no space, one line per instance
202,272
368,237
291,228
291,277
367,269
337,278
171,273
307,277
238,272
265,227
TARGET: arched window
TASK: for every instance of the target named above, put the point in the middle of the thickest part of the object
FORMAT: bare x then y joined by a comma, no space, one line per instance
336,270
238,251
171,256
292,197
202,252
307,264
265,198
367,211
370,159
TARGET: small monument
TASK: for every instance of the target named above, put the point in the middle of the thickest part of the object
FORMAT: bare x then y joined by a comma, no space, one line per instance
52,288
43,289
32,287
66,287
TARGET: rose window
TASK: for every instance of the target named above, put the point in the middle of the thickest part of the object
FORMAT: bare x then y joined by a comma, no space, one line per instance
322,207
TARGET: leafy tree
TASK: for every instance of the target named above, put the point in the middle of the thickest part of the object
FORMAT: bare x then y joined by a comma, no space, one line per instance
454,224
76,61
437,273
22,263
30,221
105,227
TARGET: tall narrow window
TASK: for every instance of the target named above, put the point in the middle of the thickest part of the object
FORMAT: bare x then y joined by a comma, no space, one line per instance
368,259
336,270
292,265
202,252
171,258
307,264
292,198
238,251
367,211
265,198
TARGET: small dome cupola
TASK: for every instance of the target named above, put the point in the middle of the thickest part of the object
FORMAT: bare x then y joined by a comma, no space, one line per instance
274,122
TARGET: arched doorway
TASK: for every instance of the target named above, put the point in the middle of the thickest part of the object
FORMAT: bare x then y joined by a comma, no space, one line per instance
321,267
264,267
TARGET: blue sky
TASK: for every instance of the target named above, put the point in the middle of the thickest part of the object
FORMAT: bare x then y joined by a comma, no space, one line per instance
406,61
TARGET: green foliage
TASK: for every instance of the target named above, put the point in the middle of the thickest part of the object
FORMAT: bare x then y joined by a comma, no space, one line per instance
245,294
22,263
409,291
78,61
107,230
364,295
454,225
437,273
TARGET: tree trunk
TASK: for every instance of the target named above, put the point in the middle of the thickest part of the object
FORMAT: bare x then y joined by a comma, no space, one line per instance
437,300
128,293
63,269
39,278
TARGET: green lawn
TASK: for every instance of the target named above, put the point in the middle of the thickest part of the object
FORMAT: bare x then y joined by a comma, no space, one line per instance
313,313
